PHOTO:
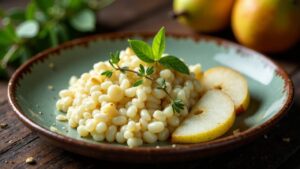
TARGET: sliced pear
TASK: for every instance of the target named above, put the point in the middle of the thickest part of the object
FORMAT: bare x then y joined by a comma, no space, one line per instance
210,118
230,82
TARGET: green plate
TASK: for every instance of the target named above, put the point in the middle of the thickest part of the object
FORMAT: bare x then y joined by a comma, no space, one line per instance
34,103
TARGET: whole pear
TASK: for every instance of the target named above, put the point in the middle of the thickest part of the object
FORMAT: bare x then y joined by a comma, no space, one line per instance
267,25
203,15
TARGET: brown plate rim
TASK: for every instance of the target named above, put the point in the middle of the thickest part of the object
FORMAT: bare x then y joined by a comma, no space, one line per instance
180,148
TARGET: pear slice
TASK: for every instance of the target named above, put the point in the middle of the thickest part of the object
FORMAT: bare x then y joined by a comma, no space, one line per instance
210,118
230,82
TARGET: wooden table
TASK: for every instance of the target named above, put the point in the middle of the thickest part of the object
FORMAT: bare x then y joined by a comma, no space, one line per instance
279,148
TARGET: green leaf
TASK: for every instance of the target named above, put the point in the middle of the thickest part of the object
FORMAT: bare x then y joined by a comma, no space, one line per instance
16,14
159,44
150,70
8,55
73,4
15,56
28,29
44,5
40,16
5,38
142,50
174,63
109,61
115,57
107,73
8,35
30,11
142,70
84,21
137,83
57,12
53,37
177,105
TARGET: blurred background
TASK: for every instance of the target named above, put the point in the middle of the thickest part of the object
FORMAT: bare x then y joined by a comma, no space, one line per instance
268,26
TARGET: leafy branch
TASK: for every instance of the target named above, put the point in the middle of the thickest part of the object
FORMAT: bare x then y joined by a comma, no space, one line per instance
143,72
43,24
151,55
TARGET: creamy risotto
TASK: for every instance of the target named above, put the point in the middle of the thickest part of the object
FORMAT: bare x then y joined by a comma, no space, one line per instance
114,109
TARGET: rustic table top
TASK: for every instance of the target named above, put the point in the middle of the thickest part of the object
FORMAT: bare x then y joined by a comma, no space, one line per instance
279,148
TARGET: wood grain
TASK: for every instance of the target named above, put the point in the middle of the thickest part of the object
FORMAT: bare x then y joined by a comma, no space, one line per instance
124,13
268,152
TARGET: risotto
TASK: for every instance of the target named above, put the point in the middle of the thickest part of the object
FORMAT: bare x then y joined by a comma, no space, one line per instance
115,109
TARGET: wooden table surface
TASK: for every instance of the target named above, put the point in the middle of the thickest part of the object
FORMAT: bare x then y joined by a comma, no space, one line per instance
279,148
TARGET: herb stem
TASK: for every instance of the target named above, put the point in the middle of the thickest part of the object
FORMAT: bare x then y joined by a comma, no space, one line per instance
145,76
9,54
151,54
133,71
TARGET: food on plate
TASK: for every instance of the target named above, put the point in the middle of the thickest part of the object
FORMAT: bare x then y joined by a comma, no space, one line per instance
141,95
210,118
231,83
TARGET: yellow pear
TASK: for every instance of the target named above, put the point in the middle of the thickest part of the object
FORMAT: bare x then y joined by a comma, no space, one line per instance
267,25
210,118
230,82
203,15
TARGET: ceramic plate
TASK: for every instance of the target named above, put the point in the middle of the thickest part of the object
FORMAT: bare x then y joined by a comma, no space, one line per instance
270,87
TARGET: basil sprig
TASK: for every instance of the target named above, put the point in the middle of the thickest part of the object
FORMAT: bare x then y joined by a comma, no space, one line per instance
151,54
154,53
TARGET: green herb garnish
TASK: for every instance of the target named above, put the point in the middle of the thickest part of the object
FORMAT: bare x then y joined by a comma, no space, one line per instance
137,83
153,55
177,105
107,73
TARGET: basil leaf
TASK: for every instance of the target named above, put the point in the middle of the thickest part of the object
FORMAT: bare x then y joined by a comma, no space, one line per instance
137,83
174,63
84,21
159,44
28,29
142,50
